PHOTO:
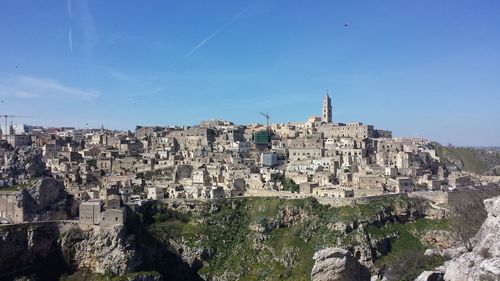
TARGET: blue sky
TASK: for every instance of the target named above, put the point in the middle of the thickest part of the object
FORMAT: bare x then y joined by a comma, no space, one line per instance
420,68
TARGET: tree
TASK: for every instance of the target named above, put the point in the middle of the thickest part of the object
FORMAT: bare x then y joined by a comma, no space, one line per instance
290,185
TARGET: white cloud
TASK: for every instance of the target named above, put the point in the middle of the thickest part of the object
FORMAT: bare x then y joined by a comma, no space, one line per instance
35,87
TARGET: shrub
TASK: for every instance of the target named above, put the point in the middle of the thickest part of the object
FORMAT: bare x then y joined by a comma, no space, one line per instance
485,253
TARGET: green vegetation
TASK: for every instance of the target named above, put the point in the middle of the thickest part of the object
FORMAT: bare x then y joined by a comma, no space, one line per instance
289,185
409,264
275,239
17,186
406,259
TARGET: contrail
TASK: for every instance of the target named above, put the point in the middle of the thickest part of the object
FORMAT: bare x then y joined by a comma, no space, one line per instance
70,40
227,23
170,66
69,9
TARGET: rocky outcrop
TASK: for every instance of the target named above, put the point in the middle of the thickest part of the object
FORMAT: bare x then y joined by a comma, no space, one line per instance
440,239
22,163
194,256
100,250
483,262
22,246
45,199
50,249
430,276
335,264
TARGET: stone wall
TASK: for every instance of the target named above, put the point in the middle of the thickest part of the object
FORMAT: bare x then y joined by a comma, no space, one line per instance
438,197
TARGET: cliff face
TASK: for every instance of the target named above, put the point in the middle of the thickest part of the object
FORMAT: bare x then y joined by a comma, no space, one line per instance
100,250
483,262
49,250
30,248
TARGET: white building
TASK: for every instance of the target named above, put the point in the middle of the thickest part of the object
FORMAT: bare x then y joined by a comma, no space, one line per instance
155,193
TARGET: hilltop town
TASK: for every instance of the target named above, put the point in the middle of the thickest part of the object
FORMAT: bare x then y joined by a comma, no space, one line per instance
301,200
93,174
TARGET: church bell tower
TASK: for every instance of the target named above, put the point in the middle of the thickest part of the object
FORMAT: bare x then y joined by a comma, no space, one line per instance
327,109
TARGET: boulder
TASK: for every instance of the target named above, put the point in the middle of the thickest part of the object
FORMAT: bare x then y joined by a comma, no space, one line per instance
335,264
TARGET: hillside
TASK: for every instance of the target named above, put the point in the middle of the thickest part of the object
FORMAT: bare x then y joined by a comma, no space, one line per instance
474,160
275,239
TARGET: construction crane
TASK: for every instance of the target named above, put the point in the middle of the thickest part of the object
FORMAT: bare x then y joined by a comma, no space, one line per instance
267,118
268,133
6,116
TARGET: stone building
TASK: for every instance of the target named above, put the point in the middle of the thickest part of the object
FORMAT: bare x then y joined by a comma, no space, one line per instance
356,130
112,217
90,212
367,181
400,185
327,109
308,187
18,140
10,211
155,193
296,154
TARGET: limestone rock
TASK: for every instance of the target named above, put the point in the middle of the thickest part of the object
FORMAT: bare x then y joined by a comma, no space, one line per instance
335,264
23,162
430,276
483,262
101,250
24,245
45,199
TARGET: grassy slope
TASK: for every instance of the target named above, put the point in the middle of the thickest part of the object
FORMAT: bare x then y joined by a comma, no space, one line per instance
473,159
